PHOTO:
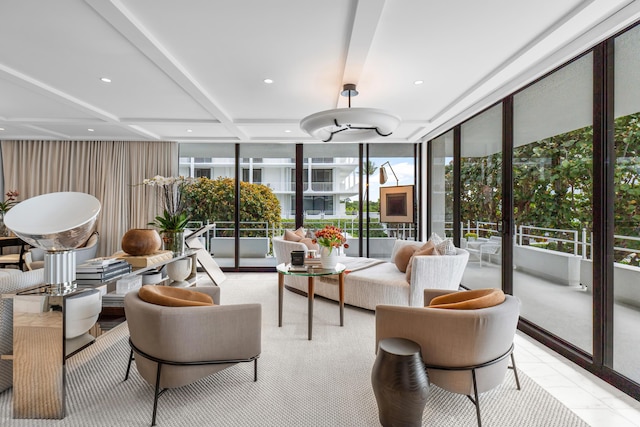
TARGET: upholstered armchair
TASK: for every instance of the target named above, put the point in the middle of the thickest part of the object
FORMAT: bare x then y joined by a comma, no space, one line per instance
176,346
465,351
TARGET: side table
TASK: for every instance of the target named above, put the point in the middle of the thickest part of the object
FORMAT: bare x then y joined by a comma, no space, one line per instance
311,273
400,382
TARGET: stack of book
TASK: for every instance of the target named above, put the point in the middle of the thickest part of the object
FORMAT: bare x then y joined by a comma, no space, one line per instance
96,272
312,262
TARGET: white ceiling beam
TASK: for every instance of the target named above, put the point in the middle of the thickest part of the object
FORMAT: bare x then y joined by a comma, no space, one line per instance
364,26
126,23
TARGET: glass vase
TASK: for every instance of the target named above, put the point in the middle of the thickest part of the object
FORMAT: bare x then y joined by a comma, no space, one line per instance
173,241
4,231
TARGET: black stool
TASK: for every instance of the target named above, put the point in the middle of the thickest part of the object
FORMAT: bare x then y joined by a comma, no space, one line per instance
400,382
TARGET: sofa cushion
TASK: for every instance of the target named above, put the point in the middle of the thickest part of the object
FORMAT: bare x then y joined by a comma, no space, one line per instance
427,249
291,236
173,297
446,247
469,300
308,242
403,255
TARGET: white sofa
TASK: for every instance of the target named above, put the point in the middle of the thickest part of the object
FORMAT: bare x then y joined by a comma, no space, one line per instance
381,283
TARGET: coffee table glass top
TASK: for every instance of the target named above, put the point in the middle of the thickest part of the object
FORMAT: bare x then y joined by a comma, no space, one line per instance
311,271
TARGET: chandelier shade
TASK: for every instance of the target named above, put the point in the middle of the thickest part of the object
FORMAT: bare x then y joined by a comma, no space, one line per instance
350,124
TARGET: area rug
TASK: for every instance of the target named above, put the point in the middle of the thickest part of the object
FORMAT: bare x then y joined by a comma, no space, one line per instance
323,382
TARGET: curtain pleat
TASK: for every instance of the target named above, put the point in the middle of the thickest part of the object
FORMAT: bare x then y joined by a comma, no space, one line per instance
111,171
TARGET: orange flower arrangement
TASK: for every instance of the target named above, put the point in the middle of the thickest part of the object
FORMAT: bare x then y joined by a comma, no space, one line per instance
330,237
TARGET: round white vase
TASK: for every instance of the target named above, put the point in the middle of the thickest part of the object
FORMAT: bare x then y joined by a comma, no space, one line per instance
179,270
328,260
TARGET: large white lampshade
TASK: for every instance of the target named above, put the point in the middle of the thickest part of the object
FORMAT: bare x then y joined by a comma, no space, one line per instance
57,223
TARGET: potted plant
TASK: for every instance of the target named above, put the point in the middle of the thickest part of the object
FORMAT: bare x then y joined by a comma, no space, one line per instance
328,238
11,201
174,218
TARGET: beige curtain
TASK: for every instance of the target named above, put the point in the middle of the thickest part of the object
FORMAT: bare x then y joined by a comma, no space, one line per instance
109,170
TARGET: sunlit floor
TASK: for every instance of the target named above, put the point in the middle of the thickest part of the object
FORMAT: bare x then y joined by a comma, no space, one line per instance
592,399
596,402
566,311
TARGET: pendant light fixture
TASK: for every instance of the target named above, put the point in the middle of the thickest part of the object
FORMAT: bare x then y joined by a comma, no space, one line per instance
350,124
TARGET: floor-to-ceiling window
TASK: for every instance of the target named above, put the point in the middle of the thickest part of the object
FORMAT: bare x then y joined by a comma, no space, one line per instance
441,185
330,187
481,198
392,213
552,194
267,188
626,244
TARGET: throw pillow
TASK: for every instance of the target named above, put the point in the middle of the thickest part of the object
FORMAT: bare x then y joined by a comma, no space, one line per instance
427,249
435,238
301,232
469,300
403,255
446,247
309,244
173,297
291,236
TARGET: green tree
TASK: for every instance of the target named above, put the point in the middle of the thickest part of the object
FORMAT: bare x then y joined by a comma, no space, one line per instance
553,184
214,200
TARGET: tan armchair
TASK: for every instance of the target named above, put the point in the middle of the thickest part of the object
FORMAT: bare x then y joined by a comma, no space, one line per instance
465,351
176,346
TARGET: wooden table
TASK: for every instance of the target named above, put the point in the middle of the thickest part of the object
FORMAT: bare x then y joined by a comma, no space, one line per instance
311,274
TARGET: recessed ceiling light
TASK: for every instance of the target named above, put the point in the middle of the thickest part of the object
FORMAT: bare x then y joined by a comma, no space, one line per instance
268,81
105,80
1,129
418,82
287,131
90,130
189,130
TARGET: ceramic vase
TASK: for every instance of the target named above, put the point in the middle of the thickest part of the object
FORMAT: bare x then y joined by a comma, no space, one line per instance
179,270
328,260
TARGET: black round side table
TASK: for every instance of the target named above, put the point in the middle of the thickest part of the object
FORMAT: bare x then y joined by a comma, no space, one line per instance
400,383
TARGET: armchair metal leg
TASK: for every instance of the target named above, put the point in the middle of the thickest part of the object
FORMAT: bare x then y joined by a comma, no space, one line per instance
515,370
476,402
156,395
255,370
131,358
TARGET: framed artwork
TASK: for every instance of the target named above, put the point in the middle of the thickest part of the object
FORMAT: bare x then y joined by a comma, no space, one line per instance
396,204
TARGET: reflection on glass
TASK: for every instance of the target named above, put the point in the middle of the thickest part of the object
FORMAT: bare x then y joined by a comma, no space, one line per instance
481,198
626,267
441,185
552,191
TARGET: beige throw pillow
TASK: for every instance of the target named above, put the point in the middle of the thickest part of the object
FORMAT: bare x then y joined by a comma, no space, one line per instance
403,255
301,232
309,244
446,247
291,236
427,249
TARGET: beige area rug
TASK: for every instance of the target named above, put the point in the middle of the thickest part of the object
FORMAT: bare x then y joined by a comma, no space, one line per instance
324,382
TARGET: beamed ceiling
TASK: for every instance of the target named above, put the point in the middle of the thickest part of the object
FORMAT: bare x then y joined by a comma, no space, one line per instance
194,70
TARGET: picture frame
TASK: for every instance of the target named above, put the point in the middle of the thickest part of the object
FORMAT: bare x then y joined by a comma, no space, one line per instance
396,204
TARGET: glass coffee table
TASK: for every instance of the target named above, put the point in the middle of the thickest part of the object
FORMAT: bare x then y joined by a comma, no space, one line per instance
311,274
